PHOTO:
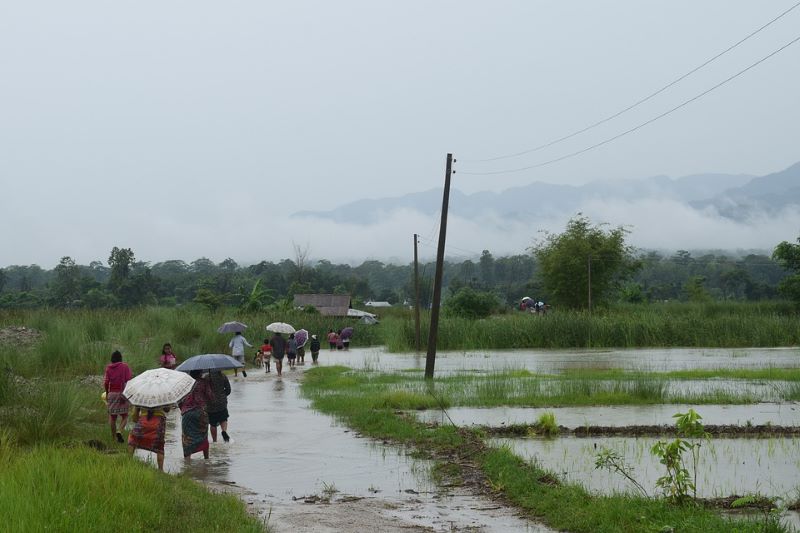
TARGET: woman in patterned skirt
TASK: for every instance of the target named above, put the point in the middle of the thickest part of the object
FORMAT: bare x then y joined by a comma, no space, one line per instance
116,376
194,418
149,432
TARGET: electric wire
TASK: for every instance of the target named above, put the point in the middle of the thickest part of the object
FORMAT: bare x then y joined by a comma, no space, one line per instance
638,102
635,128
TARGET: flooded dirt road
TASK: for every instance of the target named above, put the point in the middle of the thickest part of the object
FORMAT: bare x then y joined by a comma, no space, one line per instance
306,473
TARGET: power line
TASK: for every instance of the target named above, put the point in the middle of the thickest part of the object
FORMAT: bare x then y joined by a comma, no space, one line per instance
635,128
638,102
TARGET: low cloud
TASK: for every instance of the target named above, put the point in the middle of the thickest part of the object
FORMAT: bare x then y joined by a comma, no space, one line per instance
252,234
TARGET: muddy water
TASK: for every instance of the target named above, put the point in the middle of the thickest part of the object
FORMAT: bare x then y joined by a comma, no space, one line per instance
282,451
555,361
617,416
726,466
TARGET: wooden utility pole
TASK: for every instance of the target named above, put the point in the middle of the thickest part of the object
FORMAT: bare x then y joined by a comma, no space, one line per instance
430,360
416,296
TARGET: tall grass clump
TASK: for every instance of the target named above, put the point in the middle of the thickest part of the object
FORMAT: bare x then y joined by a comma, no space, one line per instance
49,412
546,424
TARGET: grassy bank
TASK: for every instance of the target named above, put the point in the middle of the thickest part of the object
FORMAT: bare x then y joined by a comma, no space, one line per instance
368,404
60,470
50,488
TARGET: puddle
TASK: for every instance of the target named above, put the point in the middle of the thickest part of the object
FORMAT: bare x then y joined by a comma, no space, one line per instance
618,416
726,466
281,451
556,361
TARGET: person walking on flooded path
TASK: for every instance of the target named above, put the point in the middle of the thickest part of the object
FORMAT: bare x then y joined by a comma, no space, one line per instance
217,406
278,344
291,350
149,432
194,418
237,346
167,359
315,346
332,339
266,354
117,374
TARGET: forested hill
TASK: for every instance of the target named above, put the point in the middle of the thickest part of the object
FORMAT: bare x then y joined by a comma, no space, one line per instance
126,281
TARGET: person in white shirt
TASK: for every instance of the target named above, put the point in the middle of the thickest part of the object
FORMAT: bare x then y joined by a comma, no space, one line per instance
237,345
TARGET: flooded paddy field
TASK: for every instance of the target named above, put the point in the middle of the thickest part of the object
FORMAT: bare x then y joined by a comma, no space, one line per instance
558,361
777,414
726,466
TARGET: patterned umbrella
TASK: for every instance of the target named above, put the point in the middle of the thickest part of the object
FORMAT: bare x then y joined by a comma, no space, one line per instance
160,386
231,327
280,327
301,337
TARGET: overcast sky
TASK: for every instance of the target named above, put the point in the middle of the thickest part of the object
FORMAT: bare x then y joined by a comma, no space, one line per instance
188,129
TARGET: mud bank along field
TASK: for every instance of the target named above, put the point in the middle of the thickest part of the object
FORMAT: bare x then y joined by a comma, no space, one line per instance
563,422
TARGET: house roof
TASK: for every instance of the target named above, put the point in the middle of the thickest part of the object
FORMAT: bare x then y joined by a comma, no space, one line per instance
326,304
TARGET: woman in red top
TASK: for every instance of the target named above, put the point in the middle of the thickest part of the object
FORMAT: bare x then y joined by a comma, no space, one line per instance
167,359
116,376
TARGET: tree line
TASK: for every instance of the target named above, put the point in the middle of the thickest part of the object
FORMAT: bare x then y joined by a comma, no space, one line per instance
561,270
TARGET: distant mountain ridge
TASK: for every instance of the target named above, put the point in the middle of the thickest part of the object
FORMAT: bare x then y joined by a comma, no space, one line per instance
735,196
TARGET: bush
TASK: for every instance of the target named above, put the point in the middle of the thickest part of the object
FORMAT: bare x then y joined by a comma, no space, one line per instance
469,303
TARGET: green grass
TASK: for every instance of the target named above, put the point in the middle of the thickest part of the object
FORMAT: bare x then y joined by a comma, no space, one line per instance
366,403
78,489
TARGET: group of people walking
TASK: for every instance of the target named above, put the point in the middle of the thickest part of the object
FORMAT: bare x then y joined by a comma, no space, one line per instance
204,408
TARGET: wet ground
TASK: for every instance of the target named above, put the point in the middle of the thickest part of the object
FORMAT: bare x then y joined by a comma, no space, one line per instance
311,474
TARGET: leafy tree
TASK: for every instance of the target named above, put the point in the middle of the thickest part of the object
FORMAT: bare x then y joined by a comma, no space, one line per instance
469,303
788,256
66,287
487,268
208,299
696,291
566,260
3,279
256,299
121,261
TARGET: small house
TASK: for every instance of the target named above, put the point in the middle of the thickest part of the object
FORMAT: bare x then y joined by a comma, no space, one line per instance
326,304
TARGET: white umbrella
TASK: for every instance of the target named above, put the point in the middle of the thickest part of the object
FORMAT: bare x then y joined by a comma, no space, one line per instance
231,327
280,327
160,386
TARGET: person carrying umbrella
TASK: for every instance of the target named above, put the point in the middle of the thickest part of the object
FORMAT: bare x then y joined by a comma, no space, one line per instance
217,406
278,344
153,391
149,432
194,417
237,346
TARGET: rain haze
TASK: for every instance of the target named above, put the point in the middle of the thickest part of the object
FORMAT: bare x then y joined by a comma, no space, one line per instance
189,129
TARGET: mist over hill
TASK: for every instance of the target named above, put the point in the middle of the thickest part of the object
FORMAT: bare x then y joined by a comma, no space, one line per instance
700,211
